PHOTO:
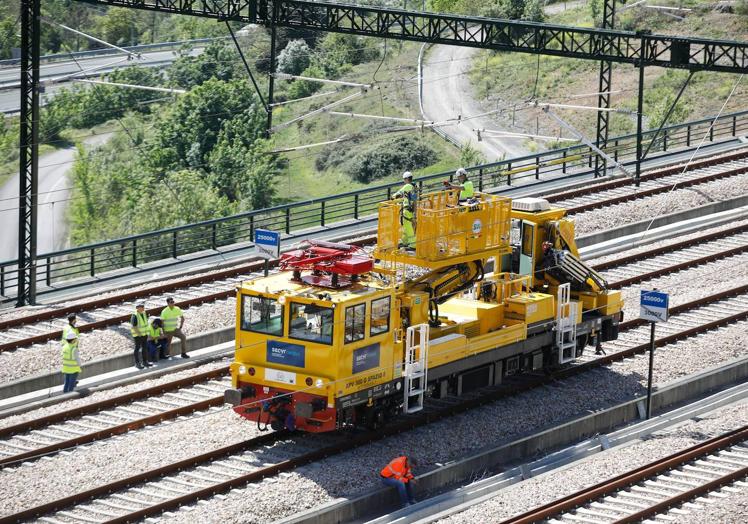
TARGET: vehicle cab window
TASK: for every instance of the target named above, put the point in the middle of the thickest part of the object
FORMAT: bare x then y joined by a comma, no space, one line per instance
262,315
311,322
380,316
355,319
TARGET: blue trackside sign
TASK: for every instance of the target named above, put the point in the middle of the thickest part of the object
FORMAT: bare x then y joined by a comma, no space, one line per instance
366,358
285,353
268,243
653,306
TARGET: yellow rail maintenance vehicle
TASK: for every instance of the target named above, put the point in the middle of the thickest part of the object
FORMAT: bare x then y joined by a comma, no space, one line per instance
491,287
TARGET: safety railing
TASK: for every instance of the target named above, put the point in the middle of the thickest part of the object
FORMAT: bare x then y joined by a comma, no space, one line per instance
74,266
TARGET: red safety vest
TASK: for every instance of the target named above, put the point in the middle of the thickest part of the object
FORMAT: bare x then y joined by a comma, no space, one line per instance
399,469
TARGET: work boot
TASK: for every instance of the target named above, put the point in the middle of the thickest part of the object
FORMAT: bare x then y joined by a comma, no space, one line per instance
185,355
139,365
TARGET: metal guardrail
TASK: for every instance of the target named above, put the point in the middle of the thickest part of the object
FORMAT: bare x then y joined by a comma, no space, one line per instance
61,57
73,267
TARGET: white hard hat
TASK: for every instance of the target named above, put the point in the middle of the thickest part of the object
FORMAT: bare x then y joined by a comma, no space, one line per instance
407,174
461,171
71,335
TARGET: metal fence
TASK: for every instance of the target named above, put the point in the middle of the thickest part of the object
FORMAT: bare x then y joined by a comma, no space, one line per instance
103,260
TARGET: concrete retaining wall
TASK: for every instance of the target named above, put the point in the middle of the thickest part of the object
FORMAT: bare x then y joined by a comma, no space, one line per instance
107,364
665,220
385,499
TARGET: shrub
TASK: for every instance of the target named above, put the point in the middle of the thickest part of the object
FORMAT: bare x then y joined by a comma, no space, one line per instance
294,58
390,157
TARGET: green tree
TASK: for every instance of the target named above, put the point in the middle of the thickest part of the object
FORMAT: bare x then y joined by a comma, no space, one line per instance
8,38
118,26
470,156
533,11
188,130
217,61
294,58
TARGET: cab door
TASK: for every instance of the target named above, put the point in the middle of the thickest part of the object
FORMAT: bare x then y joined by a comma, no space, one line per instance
527,250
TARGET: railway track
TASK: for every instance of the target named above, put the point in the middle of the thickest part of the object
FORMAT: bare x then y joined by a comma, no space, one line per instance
99,420
690,478
203,391
39,328
220,470
654,183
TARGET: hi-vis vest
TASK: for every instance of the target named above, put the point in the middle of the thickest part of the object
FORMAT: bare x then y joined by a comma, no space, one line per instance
140,327
467,191
170,318
397,469
69,364
153,331
67,329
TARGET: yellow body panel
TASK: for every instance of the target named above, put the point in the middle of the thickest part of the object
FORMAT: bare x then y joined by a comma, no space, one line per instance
530,308
489,315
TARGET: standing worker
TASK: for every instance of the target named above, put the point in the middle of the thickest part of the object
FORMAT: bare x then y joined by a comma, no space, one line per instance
173,320
397,474
72,320
139,331
464,185
71,362
407,211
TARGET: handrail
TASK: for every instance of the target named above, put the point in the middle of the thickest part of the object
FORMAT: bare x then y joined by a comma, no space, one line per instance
234,232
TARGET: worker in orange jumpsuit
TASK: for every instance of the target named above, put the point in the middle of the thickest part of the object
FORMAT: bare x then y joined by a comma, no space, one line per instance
397,474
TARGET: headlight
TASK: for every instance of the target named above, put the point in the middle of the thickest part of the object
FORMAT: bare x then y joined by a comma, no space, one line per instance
242,370
319,383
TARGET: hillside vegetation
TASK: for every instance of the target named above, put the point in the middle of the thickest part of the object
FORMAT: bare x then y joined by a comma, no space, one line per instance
511,79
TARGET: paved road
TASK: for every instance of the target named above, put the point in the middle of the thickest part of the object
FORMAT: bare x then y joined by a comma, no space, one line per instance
448,93
9,78
54,191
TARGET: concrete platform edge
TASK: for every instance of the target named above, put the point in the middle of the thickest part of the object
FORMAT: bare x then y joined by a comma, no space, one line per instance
347,510
107,364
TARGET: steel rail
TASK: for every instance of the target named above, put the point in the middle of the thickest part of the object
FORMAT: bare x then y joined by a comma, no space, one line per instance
142,477
674,169
632,477
112,431
657,190
514,386
686,496
256,266
618,262
678,267
115,299
688,306
113,402
201,405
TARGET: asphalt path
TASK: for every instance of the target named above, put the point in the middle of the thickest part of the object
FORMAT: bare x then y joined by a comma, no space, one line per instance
10,77
449,94
54,191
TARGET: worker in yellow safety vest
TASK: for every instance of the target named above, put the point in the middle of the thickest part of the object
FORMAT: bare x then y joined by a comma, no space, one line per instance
139,331
173,319
72,321
71,362
397,474
407,211
464,185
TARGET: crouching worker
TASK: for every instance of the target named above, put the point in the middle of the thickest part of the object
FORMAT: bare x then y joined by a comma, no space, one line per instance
157,342
397,474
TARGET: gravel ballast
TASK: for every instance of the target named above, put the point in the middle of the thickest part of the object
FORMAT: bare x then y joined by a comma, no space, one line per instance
541,490
351,472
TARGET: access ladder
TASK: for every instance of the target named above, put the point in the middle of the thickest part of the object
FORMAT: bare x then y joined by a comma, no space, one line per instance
415,370
566,324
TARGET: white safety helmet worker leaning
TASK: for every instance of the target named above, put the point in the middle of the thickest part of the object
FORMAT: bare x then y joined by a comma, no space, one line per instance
461,171
407,175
